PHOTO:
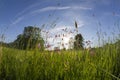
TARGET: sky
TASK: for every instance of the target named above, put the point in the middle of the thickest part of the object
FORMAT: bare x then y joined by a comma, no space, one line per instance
92,17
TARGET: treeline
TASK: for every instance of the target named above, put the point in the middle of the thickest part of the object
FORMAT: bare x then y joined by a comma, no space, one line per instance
29,39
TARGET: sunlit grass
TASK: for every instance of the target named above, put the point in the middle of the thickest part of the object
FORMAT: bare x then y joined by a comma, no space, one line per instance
63,65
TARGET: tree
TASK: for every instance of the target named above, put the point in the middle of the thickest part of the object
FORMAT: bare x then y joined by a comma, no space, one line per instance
78,44
30,38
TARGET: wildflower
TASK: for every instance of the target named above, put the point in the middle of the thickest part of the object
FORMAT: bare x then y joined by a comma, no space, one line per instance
48,46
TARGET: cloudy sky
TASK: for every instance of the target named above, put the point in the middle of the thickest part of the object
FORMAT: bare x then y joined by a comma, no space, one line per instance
55,15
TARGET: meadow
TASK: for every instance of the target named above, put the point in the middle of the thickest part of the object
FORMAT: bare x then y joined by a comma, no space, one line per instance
89,29
102,63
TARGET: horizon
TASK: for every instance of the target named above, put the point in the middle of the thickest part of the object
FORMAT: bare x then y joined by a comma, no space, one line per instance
91,16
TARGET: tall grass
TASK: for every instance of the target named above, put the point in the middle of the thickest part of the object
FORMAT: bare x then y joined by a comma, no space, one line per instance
64,65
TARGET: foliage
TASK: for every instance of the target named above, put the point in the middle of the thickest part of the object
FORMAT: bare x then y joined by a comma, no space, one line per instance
29,39
103,64
78,44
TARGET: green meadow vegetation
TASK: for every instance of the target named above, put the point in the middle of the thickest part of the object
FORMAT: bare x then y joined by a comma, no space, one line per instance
100,64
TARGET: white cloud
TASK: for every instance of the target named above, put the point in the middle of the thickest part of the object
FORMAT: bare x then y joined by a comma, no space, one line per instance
80,23
54,8
81,8
51,8
27,9
20,16
17,20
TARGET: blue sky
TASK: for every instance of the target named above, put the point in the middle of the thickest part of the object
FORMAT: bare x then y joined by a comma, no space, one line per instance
91,15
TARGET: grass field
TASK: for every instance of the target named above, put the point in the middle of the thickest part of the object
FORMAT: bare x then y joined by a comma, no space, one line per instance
100,64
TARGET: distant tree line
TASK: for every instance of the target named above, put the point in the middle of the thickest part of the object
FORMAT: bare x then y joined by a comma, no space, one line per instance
29,39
